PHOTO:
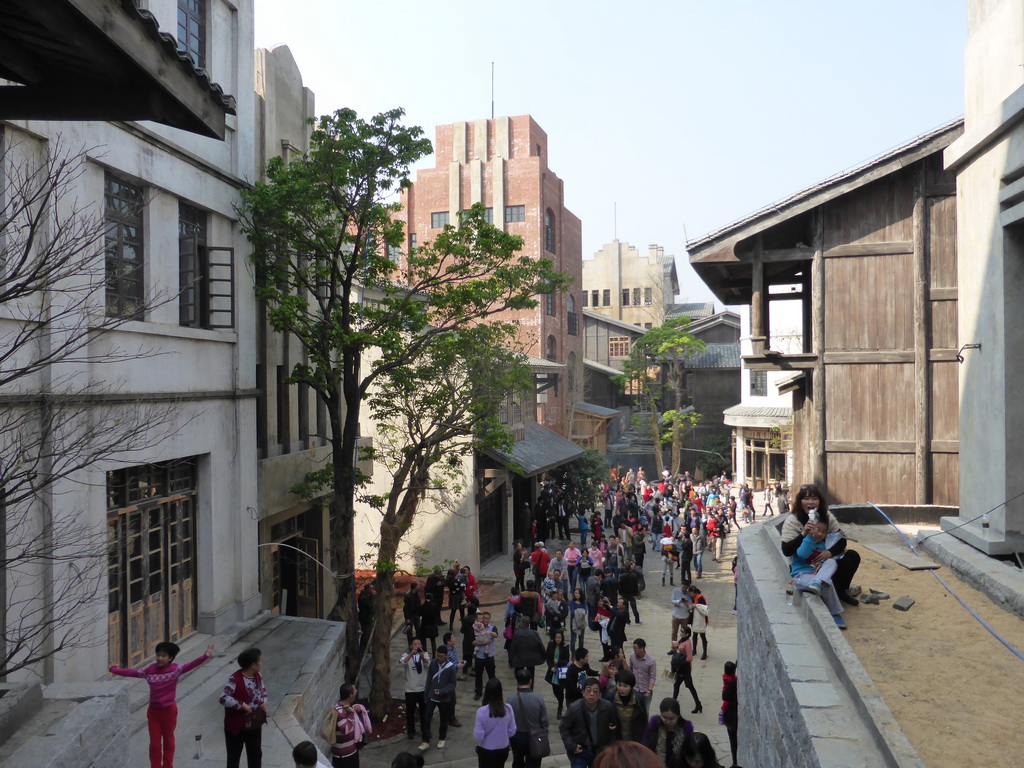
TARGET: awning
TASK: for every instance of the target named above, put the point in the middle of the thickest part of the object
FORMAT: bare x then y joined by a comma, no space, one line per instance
756,416
538,452
101,60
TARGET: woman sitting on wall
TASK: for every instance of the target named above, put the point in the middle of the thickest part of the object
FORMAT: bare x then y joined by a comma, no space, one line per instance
810,502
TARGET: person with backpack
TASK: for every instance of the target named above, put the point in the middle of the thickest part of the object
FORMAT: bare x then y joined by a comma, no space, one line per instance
577,618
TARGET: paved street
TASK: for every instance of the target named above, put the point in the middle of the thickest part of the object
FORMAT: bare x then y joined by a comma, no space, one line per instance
717,586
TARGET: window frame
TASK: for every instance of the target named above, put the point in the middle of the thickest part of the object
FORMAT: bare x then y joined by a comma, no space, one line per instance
648,296
624,297
197,35
515,213
606,297
617,344
121,212
439,219
759,383
549,231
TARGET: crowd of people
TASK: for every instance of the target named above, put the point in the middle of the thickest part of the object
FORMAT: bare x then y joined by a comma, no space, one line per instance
563,599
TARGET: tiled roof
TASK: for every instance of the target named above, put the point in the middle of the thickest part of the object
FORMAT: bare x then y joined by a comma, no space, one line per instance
170,45
540,451
716,356
613,321
693,311
597,410
542,364
607,370
759,412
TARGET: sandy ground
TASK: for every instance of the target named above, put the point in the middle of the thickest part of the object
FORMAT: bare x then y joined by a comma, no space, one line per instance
955,689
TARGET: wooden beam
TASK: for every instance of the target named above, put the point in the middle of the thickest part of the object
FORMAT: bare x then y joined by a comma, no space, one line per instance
947,189
945,446
788,254
944,294
870,249
779,362
869,446
870,357
758,306
922,323
943,355
819,460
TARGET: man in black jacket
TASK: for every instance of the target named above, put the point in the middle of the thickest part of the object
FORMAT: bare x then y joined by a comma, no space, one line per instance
629,590
579,668
589,726
439,693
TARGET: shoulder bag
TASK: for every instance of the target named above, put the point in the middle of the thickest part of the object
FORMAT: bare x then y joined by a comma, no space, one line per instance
537,738
329,727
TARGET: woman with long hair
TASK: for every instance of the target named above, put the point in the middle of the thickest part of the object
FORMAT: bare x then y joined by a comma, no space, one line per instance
810,504
495,725
667,731
696,752
577,618
558,654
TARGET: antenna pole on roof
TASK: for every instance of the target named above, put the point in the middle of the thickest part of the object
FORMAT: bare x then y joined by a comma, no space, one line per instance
492,90
615,222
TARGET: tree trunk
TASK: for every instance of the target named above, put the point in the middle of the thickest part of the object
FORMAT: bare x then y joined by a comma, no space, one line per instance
380,644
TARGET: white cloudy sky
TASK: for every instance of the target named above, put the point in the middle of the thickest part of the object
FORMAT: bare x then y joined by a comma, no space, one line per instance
684,115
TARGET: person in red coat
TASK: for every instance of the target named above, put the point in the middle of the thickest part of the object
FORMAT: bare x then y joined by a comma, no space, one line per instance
540,559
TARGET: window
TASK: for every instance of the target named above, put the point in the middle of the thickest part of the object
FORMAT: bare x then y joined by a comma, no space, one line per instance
284,411
205,274
618,346
394,254
625,297
412,242
606,297
439,220
515,213
648,326
636,297
549,349
572,319
593,298
648,296
489,215
759,383
192,30
549,231
123,247
586,297
549,303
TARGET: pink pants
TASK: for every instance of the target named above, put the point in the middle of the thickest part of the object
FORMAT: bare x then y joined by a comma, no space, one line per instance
161,735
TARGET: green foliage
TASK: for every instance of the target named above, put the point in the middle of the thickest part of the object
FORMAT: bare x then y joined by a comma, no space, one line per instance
583,479
715,460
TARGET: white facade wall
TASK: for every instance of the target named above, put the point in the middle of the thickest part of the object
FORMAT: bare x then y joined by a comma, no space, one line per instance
204,377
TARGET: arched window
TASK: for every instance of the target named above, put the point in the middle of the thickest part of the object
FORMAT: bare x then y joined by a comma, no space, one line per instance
571,303
571,318
549,349
570,364
549,231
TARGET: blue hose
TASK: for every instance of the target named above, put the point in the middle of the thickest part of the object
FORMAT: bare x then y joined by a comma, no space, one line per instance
967,608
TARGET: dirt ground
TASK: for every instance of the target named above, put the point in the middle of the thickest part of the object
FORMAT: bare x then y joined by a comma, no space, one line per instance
955,689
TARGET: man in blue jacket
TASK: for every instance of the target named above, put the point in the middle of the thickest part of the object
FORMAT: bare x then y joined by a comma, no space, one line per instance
439,693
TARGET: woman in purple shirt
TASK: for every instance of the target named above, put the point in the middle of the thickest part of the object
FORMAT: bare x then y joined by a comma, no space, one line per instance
495,724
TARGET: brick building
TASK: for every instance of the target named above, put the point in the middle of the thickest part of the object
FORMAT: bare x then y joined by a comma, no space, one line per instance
503,163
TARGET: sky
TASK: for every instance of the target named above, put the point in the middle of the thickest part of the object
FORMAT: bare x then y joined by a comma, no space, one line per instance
666,119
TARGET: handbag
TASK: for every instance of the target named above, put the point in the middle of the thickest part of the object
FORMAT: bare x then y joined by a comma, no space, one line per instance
539,746
508,632
256,719
329,727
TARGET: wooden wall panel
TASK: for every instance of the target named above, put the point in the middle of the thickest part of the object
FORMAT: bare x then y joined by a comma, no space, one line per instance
880,212
855,478
869,303
944,325
941,213
945,401
946,478
870,402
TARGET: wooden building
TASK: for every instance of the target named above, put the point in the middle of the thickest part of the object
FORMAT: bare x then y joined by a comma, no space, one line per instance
871,257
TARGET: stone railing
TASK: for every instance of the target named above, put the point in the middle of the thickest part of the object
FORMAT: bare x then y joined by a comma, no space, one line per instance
805,699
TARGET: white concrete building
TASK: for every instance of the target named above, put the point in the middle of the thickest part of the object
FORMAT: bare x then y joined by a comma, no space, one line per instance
622,283
762,421
174,510
989,162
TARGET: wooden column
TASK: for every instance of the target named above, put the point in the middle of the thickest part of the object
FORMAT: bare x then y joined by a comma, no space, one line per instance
758,302
922,369
819,464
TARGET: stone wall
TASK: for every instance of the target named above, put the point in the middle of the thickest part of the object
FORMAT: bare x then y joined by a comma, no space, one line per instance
805,699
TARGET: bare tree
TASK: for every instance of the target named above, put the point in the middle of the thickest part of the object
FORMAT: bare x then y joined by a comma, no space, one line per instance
56,420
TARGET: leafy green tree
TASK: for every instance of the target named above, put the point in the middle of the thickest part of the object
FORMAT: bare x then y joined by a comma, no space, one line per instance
430,416
714,458
655,372
322,228
583,479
